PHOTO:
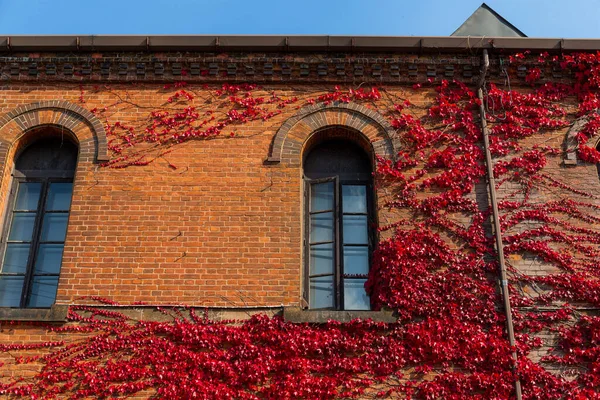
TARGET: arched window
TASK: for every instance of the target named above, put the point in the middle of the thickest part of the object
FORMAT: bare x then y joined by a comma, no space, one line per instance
36,223
338,219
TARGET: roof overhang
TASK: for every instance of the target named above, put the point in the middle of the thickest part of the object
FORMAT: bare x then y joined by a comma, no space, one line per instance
296,43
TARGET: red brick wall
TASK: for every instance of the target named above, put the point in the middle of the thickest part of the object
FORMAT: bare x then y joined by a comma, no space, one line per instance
222,229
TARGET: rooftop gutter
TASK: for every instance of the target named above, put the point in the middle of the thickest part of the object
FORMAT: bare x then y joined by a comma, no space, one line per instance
275,43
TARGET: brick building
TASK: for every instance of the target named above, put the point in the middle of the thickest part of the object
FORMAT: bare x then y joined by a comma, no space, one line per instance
236,174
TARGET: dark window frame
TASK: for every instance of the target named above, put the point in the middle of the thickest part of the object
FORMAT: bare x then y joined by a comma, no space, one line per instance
46,178
338,240
48,159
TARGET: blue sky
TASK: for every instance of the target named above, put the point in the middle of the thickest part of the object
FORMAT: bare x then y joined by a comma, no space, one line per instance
536,18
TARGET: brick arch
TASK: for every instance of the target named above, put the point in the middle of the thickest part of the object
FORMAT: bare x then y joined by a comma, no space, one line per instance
88,129
293,134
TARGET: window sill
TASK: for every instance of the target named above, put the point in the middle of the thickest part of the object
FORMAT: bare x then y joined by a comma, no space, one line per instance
298,315
56,313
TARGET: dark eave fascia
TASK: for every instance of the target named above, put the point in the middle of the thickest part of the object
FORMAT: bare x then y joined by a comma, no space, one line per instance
296,43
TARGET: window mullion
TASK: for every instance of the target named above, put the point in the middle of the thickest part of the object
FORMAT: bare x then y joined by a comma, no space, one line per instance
39,217
338,215
371,217
306,219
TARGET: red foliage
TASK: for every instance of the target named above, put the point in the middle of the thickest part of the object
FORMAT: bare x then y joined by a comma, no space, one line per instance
449,341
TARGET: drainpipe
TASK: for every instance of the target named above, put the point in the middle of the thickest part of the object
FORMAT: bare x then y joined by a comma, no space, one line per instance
494,201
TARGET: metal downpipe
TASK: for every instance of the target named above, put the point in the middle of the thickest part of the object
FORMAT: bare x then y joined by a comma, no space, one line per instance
496,219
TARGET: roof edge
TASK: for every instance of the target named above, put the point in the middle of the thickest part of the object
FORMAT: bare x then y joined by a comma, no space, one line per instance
278,43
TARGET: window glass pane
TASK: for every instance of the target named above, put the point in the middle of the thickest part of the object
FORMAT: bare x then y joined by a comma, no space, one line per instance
321,259
54,227
10,291
321,227
43,291
28,196
356,259
355,229
21,228
355,296
354,198
321,292
59,196
15,258
321,196
48,259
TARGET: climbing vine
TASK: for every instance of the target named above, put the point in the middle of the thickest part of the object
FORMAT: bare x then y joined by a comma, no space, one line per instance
435,264
191,115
